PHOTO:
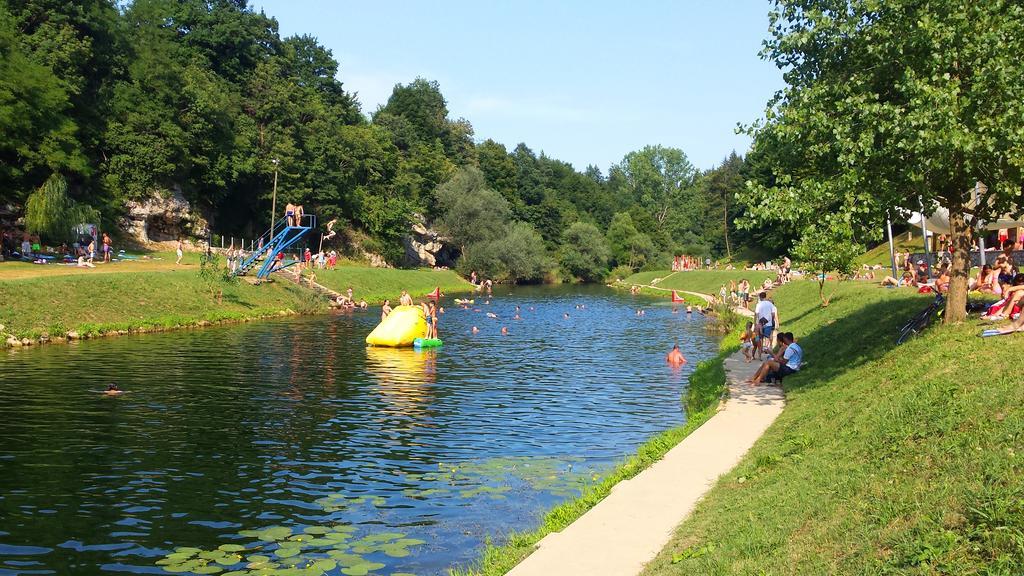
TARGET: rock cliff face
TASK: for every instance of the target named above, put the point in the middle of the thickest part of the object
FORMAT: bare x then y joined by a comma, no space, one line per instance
164,219
426,247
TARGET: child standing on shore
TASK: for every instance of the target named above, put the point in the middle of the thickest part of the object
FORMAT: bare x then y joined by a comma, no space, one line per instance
747,342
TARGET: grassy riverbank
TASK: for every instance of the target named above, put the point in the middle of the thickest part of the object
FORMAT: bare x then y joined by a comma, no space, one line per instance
53,301
702,397
90,305
886,459
703,281
376,284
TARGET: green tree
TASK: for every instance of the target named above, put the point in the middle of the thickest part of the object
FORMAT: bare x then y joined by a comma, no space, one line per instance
498,167
584,252
660,180
524,254
417,113
828,246
889,104
620,231
50,213
719,187
37,136
470,212
517,255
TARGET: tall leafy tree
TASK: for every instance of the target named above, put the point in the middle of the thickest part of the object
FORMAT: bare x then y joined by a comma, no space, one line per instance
584,252
37,134
891,104
719,187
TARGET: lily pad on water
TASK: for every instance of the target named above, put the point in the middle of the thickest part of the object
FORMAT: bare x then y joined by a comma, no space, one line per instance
362,569
293,552
494,492
231,547
395,550
286,552
420,494
345,559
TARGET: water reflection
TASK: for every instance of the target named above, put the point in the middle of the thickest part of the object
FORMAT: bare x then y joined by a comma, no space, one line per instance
232,434
404,378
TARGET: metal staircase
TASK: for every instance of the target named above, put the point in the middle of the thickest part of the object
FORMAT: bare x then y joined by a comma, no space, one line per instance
273,242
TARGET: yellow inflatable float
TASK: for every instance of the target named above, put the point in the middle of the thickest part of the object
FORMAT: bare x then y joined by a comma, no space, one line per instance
400,328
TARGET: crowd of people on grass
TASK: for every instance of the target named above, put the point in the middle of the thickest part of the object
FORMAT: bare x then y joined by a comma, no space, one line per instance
84,252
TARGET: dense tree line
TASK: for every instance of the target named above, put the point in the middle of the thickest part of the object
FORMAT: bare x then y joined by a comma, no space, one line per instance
201,96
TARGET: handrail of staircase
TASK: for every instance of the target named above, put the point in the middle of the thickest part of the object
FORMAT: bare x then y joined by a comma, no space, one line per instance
266,236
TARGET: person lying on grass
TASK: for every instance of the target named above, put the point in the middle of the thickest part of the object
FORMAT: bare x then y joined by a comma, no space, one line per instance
785,362
905,280
1004,309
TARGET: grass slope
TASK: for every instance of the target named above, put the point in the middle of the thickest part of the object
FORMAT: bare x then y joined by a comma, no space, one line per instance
703,281
880,254
142,295
376,284
134,301
886,460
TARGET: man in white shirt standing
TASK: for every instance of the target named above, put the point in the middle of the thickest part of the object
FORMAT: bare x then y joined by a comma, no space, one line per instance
767,310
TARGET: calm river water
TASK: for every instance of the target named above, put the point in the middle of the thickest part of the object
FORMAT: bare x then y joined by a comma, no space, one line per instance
288,447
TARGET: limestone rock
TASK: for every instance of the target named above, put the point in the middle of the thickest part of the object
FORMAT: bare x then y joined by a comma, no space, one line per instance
425,246
73,335
13,342
163,218
376,260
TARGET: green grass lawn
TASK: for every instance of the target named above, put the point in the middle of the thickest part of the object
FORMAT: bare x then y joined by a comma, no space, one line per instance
376,284
90,304
880,254
885,460
136,296
703,281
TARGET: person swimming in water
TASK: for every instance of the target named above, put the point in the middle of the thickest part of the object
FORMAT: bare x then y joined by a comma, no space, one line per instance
504,331
113,390
565,316
675,357
475,330
689,309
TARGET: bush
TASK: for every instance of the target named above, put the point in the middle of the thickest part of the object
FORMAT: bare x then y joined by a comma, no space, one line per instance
620,273
585,252
516,256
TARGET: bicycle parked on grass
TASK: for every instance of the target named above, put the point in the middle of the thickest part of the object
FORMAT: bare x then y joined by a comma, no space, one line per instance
922,319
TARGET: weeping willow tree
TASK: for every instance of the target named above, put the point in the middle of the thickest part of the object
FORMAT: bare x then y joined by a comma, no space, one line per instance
50,213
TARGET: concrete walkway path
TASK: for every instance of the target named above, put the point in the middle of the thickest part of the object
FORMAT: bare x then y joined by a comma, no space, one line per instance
629,527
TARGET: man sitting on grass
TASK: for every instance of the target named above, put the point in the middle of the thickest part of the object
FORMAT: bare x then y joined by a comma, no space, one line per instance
785,362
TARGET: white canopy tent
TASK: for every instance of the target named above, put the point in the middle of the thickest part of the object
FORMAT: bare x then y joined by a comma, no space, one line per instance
938,223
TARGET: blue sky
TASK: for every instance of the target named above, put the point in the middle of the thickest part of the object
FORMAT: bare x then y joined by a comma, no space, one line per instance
585,82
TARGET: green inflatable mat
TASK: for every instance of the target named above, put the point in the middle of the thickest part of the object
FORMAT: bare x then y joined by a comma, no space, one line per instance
426,343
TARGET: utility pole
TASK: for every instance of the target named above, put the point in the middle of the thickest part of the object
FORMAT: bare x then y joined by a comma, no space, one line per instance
273,202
